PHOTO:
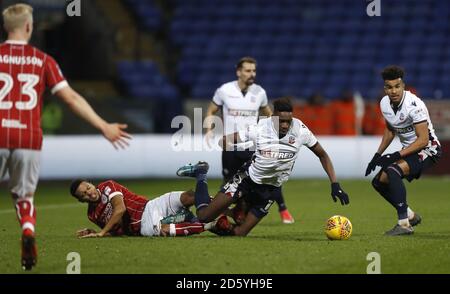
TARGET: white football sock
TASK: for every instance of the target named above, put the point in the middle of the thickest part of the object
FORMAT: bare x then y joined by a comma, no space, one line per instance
172,230
29,226
410,213
210,225
404,222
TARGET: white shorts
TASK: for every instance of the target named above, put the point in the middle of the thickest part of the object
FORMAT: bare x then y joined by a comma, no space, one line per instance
157,209
23,167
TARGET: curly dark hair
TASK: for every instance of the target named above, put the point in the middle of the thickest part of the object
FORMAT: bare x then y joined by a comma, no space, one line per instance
283,104
74,186
392,72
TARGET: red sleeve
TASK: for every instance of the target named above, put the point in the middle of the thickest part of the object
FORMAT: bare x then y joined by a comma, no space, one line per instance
110,189
54,77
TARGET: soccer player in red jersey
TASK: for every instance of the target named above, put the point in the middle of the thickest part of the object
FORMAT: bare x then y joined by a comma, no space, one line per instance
25,73
119,211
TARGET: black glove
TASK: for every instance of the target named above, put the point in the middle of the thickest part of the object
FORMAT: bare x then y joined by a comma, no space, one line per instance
336,191
385,160
372,164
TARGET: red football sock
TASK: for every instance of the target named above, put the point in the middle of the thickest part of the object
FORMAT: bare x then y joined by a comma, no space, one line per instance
186,229
26,214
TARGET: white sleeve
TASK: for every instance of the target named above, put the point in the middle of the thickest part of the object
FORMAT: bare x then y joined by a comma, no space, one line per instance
218,97
248,134
308,138
264,100
419,114
114,194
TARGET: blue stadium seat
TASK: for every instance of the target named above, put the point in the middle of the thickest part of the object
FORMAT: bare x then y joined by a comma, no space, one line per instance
310,38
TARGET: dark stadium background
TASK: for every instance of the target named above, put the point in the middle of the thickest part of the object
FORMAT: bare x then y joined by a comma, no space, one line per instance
145,61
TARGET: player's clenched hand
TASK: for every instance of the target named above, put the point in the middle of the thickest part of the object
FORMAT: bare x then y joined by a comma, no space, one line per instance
337,192
385,160
116,135
84,232
372,164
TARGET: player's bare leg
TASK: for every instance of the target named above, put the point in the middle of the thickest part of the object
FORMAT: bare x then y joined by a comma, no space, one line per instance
215,208
249,223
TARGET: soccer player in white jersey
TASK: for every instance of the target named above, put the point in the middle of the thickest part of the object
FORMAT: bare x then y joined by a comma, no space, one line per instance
406,117
241,102
277,141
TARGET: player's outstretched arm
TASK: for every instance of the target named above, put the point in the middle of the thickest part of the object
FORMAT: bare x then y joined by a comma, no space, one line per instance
388,136
88,233
119,210
84,232
265,111
325,160
420,143
211,111
113,132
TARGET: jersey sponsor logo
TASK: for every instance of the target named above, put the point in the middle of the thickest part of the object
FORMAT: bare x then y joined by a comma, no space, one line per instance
107,213
12,124
236,112
405,130
21,60
279,155
418,111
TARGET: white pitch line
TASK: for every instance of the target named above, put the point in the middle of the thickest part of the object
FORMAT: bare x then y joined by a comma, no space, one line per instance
44,207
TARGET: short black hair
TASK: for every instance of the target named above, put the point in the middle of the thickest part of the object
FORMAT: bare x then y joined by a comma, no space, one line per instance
74,186
246,59
282,104
392,72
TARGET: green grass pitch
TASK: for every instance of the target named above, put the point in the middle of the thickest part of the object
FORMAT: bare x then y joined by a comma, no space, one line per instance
272,247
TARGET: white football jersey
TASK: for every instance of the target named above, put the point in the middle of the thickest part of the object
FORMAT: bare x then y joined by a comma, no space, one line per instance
274,157
411,111
239,111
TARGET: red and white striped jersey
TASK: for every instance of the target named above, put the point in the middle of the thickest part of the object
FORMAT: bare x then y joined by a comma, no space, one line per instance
100,212
25,73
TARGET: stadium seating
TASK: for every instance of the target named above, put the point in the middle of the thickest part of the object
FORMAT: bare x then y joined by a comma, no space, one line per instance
143,81
148,15
333,41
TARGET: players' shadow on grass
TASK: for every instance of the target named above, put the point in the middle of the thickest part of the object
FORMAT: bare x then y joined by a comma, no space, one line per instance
433,236
309,236
303,236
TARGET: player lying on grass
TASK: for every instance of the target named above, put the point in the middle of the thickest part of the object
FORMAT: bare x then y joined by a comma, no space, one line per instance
278,140
118,211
